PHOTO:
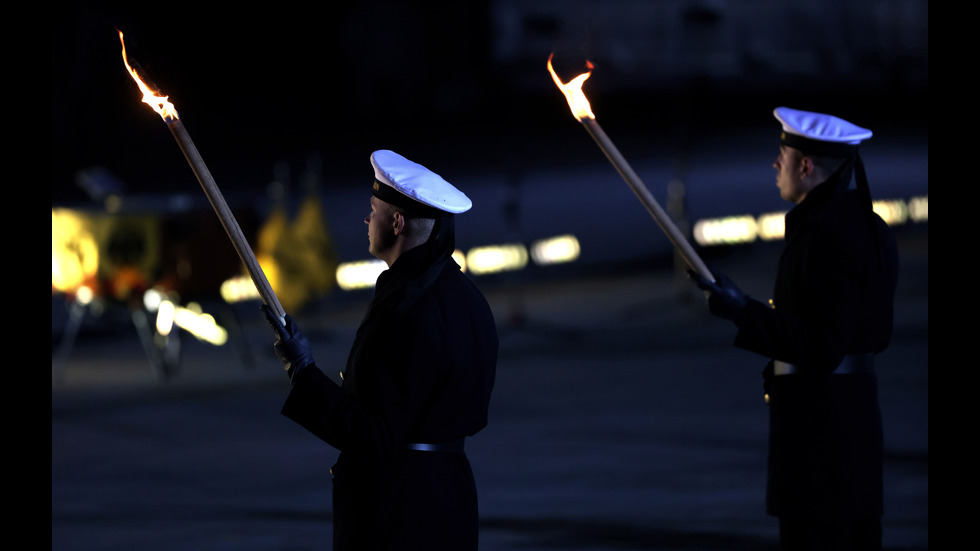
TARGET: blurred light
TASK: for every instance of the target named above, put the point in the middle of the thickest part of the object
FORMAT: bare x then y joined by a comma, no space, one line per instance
918,208
496,258
361,274
771,226
166,312
199,324
152,299
84,295
479,260
74,251
239,289
726,231
191,319
892,211
555,250
273,274
460,259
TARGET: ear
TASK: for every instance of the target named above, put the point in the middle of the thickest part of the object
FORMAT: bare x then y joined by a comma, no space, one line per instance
398,223
806,167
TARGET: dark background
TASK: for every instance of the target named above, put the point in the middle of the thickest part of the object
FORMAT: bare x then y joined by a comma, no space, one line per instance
463,82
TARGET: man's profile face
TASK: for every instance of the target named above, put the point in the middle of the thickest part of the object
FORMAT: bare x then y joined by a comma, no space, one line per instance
789,174
381,233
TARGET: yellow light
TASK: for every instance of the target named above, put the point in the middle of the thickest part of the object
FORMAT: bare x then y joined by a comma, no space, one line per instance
74,251
199,324
892,211
152,299
555,250
191,319
772,225
239,289
166,312
460,259
361,274
496,258
84,295
918,208
726,231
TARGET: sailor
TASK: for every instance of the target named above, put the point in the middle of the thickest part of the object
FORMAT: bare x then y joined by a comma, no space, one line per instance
417,381
830,314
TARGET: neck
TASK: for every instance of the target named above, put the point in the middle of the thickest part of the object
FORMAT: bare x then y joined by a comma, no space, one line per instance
400,247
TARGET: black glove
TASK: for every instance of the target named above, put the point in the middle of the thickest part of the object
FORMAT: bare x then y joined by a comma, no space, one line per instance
725,299
291,346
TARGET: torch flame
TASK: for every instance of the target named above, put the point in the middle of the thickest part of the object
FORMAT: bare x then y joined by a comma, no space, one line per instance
577,101
160,104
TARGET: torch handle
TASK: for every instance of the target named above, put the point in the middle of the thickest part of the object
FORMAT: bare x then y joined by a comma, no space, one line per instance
645,197
227,218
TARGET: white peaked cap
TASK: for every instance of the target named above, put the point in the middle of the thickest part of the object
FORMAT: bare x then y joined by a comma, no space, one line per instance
820,127
416,183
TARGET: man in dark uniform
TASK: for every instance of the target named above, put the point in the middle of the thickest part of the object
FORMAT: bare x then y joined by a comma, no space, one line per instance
417,382
831,312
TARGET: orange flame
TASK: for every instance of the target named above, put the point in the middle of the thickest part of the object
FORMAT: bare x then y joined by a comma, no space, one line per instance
159,103
577,101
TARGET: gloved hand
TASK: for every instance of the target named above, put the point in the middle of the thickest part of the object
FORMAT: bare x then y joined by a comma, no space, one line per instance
725,299
291,346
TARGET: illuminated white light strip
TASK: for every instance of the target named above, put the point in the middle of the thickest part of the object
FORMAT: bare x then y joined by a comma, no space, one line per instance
731,230
479,261
460,259
192,320
360,274
84,295
239,289
918,209
152,299
892,211
363,274
496,258
728,230
200,325
166,312
772,225
555,250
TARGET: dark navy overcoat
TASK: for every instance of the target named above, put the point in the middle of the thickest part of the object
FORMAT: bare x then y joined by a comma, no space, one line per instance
421,370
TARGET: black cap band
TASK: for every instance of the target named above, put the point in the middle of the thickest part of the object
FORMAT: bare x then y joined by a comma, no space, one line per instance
817,147
411,207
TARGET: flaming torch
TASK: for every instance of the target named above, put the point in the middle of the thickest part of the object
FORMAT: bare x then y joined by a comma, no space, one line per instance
166,110
582,111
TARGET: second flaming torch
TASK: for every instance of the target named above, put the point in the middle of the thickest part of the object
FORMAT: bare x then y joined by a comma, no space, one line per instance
168,113
582,110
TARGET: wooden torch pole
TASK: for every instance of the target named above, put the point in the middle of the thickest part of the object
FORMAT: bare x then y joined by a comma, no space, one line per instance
227,217
645,197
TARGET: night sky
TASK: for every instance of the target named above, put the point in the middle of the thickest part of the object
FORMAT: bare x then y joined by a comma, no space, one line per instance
258,85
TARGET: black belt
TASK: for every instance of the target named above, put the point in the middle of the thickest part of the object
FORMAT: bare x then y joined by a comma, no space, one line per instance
453,446
853,363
